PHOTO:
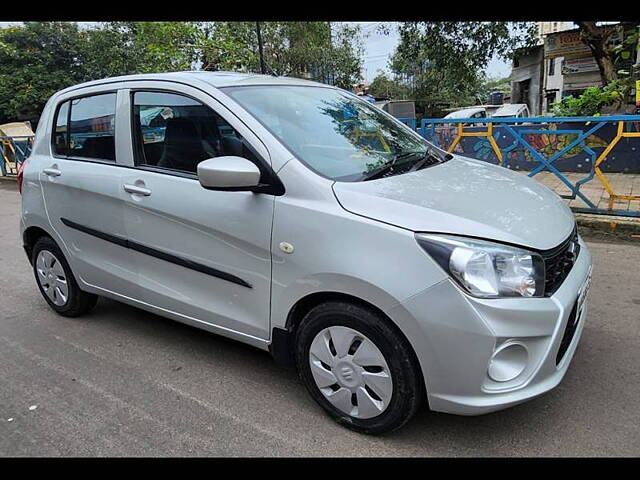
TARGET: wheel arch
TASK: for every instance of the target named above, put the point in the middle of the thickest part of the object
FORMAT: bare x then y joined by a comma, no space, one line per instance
282,339
30,236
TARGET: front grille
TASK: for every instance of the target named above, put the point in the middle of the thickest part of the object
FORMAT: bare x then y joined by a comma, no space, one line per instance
569,331
558,262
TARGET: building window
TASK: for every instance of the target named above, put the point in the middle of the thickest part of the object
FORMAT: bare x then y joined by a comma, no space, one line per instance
552,67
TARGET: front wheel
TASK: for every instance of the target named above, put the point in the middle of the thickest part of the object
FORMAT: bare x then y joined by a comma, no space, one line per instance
359,368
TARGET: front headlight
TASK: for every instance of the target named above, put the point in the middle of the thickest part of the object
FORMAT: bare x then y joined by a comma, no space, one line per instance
487,269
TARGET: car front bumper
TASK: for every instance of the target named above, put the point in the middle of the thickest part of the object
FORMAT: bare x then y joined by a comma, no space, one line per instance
459,335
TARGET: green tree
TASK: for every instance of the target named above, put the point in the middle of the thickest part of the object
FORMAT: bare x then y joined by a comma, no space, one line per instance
40,58
229,46
489,84
444,61
386,87
119,48
592,100
299,49
612,58
37,59
597,39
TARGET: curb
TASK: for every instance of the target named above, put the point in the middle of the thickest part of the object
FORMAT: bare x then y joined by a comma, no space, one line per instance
609,227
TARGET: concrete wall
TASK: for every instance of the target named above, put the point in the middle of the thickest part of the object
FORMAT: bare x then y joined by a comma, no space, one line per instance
552,82
529,68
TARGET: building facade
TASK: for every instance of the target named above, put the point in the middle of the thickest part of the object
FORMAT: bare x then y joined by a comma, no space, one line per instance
545,28
527,77
562,65
553,78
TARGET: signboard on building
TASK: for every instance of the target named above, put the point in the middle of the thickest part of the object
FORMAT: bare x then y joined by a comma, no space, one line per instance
565,44
579,65
637,93
570,45
580,85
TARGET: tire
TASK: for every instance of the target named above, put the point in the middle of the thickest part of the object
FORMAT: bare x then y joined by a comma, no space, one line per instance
371,410
72,302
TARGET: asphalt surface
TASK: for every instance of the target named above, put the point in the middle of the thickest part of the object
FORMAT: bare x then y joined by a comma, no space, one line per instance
123,382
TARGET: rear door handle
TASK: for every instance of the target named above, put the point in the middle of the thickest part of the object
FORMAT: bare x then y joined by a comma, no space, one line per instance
136,190
52,172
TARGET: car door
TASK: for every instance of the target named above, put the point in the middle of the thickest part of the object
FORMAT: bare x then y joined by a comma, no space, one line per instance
82,187
201,254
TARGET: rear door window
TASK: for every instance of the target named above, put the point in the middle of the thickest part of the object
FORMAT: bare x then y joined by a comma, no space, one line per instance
92,127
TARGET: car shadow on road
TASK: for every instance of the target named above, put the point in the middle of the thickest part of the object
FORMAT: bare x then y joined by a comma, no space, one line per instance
532,428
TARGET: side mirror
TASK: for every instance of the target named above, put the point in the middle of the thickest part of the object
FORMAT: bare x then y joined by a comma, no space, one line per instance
228,173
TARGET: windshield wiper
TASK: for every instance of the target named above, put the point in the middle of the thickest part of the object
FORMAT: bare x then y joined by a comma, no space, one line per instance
428,160
386,167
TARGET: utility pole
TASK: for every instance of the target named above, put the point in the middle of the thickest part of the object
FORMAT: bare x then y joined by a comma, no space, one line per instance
263,67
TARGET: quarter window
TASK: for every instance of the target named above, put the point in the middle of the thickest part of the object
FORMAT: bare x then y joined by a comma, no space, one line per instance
60,130
92,127
175,132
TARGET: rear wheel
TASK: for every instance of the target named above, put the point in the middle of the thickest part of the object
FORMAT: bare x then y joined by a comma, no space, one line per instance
56,282
360,369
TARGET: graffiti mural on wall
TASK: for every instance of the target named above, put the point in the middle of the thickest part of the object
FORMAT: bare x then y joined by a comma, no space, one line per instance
624,158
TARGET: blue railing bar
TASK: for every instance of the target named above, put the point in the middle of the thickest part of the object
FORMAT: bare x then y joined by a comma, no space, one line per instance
551,168
578,140
554,132
592,172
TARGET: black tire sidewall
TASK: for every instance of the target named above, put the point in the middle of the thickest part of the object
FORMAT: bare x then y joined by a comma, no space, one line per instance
407,389
73,299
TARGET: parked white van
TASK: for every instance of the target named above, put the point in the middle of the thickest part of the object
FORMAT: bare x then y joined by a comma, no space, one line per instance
516,110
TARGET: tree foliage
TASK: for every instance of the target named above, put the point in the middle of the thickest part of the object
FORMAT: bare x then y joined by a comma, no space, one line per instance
118,48
444,61
592,100
386,87
39,58
297,49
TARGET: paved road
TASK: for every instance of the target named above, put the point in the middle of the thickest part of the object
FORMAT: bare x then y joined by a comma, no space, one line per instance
125,382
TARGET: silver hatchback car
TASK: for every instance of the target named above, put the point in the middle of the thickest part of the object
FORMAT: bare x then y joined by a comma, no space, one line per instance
299,219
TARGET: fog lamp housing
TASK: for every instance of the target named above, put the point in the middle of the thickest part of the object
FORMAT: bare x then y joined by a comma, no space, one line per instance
508,362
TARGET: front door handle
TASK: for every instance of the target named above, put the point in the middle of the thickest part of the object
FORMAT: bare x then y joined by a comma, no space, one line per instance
136,190
52,172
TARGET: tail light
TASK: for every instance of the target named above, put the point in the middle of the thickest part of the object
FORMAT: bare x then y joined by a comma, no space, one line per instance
20,175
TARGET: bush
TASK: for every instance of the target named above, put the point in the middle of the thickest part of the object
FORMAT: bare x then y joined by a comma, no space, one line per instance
591,101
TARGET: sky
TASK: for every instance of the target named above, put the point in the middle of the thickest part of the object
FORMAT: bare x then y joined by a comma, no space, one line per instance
378,49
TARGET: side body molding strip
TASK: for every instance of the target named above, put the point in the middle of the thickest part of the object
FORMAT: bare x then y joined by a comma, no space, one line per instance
183,262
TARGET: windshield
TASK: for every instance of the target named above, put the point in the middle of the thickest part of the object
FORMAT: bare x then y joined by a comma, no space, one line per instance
335,133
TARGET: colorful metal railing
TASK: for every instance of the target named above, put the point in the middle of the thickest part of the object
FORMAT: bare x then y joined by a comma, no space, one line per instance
13,151
512,139
410,122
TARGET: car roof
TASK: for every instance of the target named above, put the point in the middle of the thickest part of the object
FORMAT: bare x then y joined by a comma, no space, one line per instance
465,112
509,109
216,79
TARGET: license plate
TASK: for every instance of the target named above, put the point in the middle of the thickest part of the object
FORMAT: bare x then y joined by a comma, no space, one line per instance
582,295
